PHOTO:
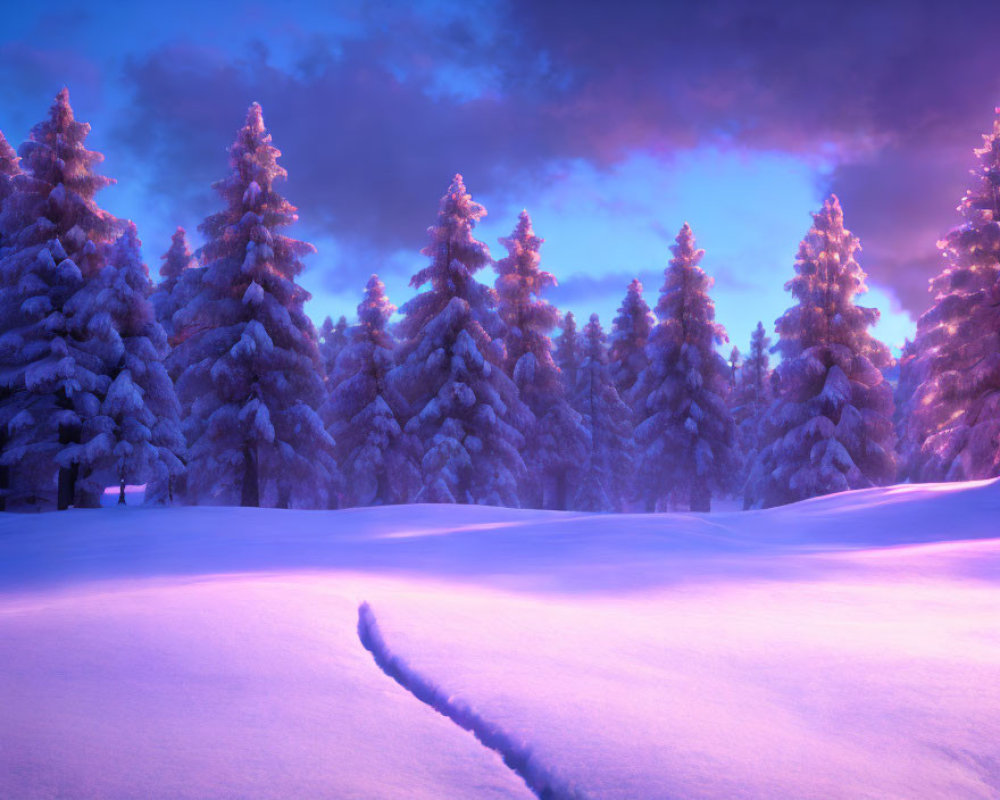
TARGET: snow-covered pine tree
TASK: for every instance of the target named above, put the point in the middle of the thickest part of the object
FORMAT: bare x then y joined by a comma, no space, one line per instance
629,335
168,295
569,351
829,428
9,168
555,440
463,409
332,339
361,412
750,399
53,361
685,434
607,467
753,394
251,383
954,426
911,369
135,437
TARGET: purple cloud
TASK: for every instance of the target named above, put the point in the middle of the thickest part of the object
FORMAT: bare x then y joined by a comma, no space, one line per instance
894,92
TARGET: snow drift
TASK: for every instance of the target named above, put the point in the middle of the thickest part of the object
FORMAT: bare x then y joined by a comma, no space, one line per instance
844,647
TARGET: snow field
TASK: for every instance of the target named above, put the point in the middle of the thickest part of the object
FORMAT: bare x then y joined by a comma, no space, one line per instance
844,647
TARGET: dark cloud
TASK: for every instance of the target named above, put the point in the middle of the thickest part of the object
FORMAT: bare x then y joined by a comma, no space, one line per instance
368,152
895,92
30,71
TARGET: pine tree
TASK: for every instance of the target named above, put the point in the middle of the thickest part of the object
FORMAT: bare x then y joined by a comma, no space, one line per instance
251,383
10,167
684,432
830,426
135,437
462,408
750,399
169,294
555,438
54,358
954,427
361,411
332,339
629,335
912,373
569,351
607,467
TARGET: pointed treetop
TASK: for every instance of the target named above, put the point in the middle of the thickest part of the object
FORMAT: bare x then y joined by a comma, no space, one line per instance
178,258
255,158
9,161
520,276
454,252
831,215
684,250
457,202
255,118
61,110
375,309
593,330
54,152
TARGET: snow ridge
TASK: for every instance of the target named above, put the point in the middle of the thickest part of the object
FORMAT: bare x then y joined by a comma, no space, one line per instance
516,755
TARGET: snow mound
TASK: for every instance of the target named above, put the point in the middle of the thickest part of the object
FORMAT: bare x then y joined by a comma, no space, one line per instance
844,647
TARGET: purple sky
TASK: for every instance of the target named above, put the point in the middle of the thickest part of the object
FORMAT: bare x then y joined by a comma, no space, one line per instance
611,123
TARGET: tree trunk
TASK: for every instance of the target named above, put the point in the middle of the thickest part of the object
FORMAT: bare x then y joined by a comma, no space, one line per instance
701,496
67,485
560,491
121,492
68,434
381,489
284,496
463,487
250,496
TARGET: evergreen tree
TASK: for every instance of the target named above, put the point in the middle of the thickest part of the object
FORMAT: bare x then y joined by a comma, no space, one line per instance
169,294
830,426
135,437
362,419
463,409
912,372
54,358
332,339
629,335
607,467
751,398
954,426
684,432
569,351
10,167
251,383
555,438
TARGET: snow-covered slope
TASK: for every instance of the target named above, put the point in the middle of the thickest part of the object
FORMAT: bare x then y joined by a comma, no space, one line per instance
845,647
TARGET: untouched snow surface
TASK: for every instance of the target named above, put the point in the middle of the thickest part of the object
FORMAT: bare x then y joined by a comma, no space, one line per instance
845,647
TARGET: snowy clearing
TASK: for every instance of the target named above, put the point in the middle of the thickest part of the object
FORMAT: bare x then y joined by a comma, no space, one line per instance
844,647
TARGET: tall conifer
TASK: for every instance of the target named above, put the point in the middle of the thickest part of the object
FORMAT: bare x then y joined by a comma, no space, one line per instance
251,383
830,427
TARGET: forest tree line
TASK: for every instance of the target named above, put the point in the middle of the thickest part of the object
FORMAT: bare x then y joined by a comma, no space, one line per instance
213,385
